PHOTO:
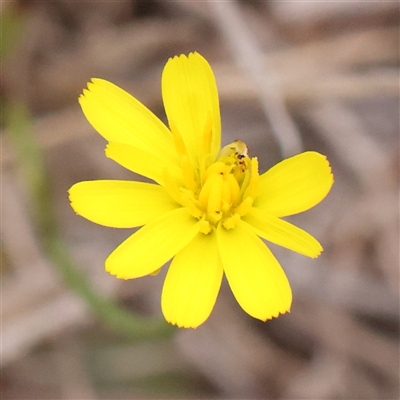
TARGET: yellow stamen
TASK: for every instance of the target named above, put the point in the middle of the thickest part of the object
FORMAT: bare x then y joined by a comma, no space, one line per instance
189,201
188,177
230,223
171,187
227,186
215,193
205,227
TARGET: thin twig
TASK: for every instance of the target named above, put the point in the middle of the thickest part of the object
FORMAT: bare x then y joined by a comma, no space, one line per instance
249,57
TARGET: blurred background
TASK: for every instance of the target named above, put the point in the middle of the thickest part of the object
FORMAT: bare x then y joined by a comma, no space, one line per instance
292,76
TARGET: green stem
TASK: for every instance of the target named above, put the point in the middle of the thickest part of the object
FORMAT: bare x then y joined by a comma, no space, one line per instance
30,161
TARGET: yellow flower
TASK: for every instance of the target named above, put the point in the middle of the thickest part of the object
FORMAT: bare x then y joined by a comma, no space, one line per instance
208,206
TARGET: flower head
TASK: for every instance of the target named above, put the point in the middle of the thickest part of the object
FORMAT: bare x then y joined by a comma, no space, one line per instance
207,208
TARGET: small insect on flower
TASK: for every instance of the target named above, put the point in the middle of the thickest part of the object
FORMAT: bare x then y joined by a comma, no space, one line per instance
237,152
207,208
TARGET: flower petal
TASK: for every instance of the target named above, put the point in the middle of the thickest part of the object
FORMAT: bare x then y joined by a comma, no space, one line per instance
120,118
283,233
142,162
152,246
294,185
258,282
191,103
192,283
120,204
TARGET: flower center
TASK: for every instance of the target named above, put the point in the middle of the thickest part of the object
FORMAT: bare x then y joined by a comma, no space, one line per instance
222,192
